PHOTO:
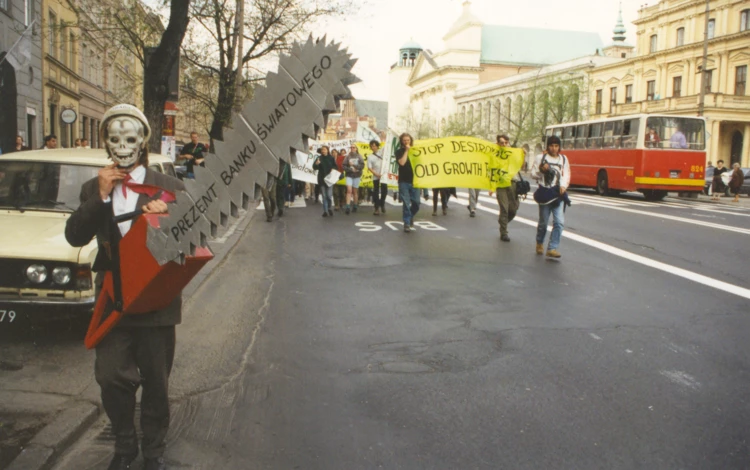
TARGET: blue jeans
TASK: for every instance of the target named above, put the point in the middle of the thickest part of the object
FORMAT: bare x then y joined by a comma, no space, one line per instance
327,193
558,223
410,198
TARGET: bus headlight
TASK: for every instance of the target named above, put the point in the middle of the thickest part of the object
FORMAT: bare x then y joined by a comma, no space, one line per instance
37,273
61,276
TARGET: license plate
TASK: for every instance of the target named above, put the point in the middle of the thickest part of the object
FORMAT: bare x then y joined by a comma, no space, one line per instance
7,316
674,174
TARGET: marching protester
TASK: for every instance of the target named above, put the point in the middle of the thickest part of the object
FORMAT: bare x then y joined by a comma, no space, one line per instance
339,191
139,351
505,197
738,178
473,197
552,171
353,166
324,164
379,190
192,153
445,195
409,195
338,196
717,185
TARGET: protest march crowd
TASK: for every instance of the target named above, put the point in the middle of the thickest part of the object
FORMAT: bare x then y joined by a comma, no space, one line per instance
341,179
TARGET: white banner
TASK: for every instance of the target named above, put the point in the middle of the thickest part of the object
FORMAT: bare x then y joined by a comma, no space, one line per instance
365,134
389,169
302,168
314,145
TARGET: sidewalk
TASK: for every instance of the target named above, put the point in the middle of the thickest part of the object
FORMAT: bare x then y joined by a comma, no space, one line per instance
36,428
744,201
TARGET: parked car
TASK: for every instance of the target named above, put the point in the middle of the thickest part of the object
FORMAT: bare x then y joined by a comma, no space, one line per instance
39,271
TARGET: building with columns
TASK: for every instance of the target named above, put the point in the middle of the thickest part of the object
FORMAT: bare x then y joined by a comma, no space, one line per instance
664,75
424,84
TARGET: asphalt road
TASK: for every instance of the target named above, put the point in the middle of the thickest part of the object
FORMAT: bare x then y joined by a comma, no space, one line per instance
448,349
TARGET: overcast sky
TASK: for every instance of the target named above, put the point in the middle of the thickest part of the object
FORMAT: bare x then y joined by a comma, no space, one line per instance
377,31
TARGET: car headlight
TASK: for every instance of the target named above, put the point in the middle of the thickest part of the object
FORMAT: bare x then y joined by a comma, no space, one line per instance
37,273
61,276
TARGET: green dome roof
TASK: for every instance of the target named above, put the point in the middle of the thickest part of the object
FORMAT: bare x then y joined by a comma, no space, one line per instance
411,44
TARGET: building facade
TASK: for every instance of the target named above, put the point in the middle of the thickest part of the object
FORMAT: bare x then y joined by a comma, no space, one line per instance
665,76
84,70
424,89
21,85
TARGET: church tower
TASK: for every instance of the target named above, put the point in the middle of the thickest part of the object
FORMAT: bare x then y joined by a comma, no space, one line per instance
398,94
619,48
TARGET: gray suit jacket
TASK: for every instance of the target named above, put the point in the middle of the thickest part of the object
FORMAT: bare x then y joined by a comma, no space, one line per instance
94,218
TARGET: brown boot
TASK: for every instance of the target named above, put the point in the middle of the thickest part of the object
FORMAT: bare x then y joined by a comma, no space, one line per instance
553,254
539,249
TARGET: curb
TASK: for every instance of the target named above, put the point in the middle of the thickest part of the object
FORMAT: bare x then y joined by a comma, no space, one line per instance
54,438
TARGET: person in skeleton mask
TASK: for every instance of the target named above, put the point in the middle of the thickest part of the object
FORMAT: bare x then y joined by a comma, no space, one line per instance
139,351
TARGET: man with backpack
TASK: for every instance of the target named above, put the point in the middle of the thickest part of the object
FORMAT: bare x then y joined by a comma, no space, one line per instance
552,171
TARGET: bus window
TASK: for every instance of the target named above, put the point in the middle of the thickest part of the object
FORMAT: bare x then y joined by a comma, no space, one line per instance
582,133
569,137
609,134
675,133
630,133
595,136
558,131
548,133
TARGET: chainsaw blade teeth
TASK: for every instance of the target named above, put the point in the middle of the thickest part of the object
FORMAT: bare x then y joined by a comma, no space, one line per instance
280,119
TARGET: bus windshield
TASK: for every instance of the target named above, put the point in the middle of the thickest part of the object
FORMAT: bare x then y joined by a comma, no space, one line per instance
675,133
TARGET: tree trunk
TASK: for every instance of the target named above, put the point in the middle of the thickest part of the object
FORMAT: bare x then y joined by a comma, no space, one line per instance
156,74
224,105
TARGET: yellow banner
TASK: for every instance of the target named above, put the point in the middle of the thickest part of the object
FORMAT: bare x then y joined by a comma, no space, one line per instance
464,162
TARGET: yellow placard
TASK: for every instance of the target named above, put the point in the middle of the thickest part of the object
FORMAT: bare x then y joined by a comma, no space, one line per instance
464,162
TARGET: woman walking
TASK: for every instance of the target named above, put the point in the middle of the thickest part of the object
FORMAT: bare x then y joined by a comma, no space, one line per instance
738,179
353,166
717,185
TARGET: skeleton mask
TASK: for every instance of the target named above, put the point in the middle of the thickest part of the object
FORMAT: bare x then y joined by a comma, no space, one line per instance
125,138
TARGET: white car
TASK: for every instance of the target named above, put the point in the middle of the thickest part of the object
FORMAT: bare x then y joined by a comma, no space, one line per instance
39,271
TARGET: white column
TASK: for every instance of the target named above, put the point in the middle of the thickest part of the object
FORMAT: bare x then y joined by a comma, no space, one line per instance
745,158
713,155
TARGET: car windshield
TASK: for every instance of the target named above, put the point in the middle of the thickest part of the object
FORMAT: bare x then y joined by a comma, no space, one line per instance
42,185
675,133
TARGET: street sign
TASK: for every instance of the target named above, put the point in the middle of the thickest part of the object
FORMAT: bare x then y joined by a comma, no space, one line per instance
68,116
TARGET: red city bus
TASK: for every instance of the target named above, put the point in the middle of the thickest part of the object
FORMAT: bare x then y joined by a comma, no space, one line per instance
649,153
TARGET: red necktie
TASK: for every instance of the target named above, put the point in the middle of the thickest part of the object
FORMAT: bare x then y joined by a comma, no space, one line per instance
147,189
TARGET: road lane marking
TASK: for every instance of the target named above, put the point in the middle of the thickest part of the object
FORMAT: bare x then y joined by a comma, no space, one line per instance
667,268
598,338
681,378
701,223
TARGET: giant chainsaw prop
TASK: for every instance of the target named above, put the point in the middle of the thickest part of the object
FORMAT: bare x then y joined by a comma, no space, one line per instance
161,253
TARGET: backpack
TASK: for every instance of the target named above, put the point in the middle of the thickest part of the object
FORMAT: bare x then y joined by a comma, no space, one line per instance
522,187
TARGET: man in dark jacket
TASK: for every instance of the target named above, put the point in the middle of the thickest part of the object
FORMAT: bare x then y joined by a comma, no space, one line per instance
139,351
325,163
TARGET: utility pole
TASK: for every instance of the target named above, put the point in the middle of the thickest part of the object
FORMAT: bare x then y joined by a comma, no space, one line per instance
701,101
240,42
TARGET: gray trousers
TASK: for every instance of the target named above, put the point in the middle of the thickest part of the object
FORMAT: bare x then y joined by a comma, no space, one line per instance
128,358
473,197
506,199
